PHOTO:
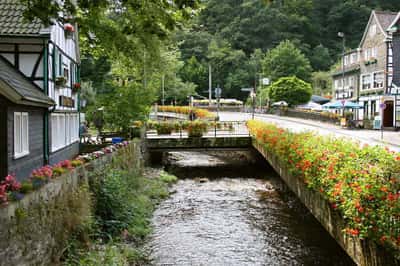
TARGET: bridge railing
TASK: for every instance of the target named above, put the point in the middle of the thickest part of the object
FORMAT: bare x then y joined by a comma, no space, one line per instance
180,129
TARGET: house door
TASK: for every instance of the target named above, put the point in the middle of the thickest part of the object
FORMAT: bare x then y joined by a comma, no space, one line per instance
3,142
388,114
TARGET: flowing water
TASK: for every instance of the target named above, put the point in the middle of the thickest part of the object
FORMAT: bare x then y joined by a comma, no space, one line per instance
238,220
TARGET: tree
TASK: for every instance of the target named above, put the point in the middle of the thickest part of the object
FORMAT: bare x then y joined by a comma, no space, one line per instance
320,58
195,72
292,90
286,60
322,83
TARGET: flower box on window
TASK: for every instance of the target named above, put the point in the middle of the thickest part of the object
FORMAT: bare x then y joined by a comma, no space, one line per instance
371,61
61,80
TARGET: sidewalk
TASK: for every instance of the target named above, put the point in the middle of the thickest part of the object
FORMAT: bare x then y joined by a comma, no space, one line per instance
389,137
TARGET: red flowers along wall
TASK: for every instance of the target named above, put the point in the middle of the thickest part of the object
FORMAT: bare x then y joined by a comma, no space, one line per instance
362,183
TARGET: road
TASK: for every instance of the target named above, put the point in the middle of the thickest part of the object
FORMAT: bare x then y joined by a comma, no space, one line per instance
390,139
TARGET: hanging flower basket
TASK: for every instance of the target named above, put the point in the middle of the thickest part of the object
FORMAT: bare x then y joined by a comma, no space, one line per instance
76,86
68,27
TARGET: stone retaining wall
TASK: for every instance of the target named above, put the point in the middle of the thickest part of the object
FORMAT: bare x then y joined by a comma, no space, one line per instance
34,230
363,252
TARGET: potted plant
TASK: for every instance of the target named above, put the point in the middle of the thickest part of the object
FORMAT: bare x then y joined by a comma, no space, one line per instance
164,128
196,129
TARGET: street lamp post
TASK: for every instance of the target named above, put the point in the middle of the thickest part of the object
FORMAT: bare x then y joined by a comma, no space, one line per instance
218,92
253,98
341,35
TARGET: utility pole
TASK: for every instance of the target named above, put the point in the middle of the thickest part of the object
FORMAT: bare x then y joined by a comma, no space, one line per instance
144,70
163,89
209,84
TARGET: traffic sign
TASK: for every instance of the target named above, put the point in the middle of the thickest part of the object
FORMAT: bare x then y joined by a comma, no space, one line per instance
265,81
218,92
247,89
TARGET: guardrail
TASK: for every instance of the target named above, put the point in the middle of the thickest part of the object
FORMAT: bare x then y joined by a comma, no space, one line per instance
180,129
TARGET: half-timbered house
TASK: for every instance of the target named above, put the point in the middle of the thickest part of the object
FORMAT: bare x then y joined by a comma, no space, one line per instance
48,59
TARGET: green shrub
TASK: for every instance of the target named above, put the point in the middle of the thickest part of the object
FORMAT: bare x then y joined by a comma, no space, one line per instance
167,178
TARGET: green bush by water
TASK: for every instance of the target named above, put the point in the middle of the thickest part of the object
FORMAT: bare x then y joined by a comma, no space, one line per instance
123,203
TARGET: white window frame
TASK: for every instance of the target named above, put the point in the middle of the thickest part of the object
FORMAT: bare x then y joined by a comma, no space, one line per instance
346,60
372,30
21,134
382,82
370,82
374,52
65,130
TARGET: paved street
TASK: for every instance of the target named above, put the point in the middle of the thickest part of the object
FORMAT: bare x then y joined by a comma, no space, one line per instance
390,139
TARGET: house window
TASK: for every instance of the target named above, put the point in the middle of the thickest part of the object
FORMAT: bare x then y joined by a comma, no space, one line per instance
374,52
346,60
354,58
346,82
366,82
378,80
367,53
373,108
21,134
64,130
57,131
372,30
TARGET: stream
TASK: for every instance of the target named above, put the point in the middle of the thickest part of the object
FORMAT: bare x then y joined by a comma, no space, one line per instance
243,217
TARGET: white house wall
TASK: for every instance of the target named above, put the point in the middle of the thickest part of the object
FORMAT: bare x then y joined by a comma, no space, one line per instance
66,47
27,63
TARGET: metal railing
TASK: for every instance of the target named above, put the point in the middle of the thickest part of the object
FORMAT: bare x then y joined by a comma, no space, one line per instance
214,130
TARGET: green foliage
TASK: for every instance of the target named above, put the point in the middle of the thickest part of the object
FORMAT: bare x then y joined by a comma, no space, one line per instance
164,128
320,58
246,25
286,60
292,90
123,204
167,178
322,83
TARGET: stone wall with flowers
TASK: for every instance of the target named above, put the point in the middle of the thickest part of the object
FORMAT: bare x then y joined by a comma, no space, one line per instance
38,216
353,191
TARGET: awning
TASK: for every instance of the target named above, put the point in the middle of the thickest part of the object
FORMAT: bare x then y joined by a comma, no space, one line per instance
342,105
19,89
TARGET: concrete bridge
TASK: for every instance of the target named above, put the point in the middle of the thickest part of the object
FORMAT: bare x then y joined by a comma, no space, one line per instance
203,143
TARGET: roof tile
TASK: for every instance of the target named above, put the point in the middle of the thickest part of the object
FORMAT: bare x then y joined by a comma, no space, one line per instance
12,21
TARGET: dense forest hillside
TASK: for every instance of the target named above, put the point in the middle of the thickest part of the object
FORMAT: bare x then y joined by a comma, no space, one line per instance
234,35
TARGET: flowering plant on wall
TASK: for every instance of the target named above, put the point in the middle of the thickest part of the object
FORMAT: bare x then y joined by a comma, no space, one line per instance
361,183
11,189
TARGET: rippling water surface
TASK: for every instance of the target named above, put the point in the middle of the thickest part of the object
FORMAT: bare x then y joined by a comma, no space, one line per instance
238,222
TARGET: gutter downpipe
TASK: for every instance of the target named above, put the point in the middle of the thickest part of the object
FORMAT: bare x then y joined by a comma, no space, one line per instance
46,113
